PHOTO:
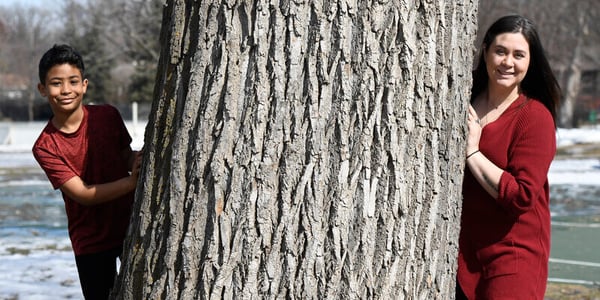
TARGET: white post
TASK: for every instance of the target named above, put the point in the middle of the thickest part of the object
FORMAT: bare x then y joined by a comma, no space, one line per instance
134,116
134,113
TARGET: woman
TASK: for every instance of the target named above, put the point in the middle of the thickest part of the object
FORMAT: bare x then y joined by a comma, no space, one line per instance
505,232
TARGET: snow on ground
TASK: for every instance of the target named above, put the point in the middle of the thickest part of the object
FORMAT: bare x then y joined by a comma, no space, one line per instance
40,268
20,136
568,137
575,171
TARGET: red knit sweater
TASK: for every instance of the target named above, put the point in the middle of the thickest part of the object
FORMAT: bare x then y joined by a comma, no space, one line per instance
504,243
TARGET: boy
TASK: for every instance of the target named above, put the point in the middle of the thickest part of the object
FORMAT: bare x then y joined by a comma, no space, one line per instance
85,152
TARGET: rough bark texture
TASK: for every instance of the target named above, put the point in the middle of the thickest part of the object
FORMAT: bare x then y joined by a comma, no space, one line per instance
304,150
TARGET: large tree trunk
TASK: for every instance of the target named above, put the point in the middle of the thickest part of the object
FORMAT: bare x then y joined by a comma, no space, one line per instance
303,150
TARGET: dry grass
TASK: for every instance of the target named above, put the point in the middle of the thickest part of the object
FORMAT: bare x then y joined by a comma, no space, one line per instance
560,291
590,150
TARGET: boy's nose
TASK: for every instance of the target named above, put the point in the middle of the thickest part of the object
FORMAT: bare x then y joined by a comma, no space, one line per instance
66,89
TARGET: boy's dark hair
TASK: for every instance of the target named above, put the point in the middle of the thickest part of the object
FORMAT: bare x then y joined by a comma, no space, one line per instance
58,55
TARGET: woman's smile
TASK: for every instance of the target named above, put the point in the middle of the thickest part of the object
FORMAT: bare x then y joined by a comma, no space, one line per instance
507,59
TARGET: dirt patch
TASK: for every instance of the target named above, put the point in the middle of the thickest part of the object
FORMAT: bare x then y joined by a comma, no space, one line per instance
588,150
560,291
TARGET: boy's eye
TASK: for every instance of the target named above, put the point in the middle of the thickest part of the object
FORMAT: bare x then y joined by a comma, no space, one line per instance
56,83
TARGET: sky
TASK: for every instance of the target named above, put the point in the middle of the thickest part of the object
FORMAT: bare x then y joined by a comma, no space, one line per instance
27,2
50,4
34,2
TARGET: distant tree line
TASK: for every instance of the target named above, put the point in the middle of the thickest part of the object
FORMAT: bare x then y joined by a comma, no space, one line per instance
119,40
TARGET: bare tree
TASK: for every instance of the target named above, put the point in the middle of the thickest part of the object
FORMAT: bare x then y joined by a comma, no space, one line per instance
131,30
28,30
586,32
303,150
119,40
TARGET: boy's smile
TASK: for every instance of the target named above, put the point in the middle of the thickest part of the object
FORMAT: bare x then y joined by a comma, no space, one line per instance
64,88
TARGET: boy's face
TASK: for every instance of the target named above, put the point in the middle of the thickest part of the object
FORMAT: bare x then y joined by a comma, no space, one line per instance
64,88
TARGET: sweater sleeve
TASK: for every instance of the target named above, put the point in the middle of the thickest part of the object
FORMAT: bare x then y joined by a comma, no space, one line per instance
531,152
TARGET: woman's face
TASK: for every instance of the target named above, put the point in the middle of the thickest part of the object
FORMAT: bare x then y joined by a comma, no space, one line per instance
507,60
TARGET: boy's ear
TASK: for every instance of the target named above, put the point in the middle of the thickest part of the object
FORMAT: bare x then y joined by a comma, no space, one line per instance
42,89
85,85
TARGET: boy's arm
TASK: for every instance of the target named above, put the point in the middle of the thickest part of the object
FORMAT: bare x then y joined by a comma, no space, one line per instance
85,194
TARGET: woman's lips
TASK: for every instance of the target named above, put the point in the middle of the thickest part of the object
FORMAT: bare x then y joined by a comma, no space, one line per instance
504,73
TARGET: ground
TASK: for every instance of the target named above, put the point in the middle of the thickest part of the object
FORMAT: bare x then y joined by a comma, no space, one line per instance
583,150
559,291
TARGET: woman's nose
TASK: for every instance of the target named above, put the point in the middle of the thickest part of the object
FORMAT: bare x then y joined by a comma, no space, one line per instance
507,61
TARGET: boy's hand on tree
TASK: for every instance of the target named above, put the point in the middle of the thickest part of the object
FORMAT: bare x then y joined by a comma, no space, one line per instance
137,163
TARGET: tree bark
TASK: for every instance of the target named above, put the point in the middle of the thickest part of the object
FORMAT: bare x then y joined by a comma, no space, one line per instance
303,150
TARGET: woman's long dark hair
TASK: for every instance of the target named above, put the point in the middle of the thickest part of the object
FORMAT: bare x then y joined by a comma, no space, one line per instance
539,82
